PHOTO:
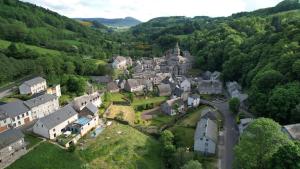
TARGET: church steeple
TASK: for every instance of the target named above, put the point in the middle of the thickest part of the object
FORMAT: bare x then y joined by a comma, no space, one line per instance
177,49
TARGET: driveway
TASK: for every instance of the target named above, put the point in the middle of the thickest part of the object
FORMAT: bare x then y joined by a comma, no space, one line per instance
230,133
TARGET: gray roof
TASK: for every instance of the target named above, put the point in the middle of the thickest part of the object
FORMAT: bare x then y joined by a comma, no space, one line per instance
14,109
40,100
112,86
10,136
58,117
92,108
195,96
133,83
164,88
207,128
293,130
101,79
34,81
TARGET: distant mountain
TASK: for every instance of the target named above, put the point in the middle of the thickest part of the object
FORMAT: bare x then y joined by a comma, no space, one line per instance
117,22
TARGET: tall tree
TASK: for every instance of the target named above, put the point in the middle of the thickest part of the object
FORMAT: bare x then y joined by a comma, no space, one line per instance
258,143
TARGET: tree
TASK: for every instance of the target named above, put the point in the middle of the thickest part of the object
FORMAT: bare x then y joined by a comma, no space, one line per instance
267,80
69,68
234,105
167,141
193,164
131,97
287,156
76,85
107,96
181,157
258,143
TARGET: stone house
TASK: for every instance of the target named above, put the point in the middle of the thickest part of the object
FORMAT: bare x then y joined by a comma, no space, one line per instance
164,89
193,100
112,87
42,105
210,87
185,85
121,62
293,131
244,123
206,136
33,86
173,107
53,125
12,146
80,102
235,91
18,113
133,85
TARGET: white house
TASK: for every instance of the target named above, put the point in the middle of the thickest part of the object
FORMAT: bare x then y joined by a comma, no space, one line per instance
5,122
33,86
206,137
17,112
121,62
42,105
55,90
12,146
80,102
193,100
185,85
54,124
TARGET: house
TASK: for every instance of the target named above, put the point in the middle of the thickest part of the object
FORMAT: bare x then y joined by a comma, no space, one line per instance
164,89
5,122
173,107
244,123
121,62
55,90
101,79
194,100
185,85
80,102
178,92
133,85
18,113
121,83
206,136
54,124
12,146
33,86
293,131
42,105
234,90
112,87
210,87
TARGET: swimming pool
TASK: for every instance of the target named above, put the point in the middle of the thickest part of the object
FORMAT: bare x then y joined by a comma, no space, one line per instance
97,131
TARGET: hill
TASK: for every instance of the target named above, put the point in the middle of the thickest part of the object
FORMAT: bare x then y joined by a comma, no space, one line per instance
259,49
117,22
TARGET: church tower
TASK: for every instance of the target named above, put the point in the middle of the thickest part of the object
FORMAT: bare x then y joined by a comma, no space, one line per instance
177,50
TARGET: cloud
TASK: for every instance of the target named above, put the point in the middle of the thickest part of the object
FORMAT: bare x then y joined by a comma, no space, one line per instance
147,9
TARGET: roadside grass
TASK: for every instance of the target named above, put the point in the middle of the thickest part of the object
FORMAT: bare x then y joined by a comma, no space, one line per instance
31,140
121,146
47,156
148,100
124,112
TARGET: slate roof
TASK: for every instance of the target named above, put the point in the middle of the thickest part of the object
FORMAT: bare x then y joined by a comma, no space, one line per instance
194,96
34,81
14,109
40,100
133,83
101,79
207,128
92,108
112,86
58,117
293,130
164,88
10,136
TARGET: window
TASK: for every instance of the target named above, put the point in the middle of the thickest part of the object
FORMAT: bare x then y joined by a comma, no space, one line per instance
18,117
27,113
14,124
19,122
54,134
53,130
42,125
4,121
13,119
23,115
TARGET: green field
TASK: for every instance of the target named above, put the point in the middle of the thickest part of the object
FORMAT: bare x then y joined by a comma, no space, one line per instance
118,147
4,44
154,100
31,140
117,97
121,146
48,156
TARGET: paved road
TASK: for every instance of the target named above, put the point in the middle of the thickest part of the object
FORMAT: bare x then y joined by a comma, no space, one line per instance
230,133
5,93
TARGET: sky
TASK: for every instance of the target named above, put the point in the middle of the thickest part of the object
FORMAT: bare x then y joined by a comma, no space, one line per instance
145,10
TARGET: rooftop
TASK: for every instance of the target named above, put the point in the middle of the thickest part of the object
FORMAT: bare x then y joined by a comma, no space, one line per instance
293,130
40,100
34,81
13,109
10,136
207,128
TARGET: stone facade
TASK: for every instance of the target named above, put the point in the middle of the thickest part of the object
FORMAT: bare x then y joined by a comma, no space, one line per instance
33,86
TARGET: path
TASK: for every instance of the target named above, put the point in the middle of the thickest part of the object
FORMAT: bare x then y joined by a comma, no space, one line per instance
230,133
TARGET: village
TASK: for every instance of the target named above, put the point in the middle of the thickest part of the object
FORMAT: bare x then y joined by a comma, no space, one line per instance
149,94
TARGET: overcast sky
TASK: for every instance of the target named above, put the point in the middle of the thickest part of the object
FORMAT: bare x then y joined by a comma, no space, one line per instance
147,9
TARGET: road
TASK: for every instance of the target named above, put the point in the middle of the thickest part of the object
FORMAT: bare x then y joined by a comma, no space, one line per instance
230,132
5,93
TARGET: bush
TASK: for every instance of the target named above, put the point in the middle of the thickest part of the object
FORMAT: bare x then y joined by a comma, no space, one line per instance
71,148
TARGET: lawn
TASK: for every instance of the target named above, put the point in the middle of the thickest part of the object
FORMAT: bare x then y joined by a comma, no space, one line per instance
117,97
121,146
192,117
149,100
184,136
48,156
161,119
125,112
31,140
